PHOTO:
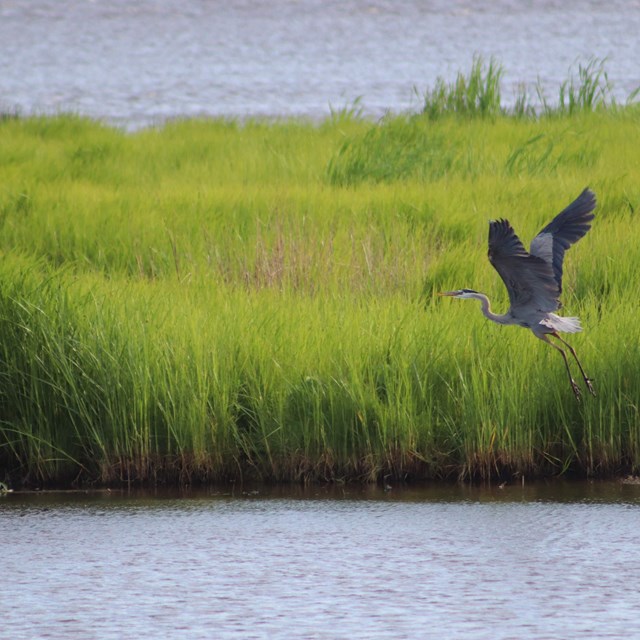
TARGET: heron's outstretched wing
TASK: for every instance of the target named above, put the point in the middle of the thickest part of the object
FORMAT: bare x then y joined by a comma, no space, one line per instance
563,231
529,279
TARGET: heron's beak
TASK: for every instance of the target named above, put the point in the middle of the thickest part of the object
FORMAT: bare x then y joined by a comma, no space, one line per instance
447,293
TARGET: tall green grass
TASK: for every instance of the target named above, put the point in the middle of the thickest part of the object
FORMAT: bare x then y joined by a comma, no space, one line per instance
213,300
477,94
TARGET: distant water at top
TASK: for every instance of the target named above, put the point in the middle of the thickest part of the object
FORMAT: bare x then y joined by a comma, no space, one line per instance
138,63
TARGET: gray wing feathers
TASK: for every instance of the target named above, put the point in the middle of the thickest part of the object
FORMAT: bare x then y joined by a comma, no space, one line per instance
529,279
564,230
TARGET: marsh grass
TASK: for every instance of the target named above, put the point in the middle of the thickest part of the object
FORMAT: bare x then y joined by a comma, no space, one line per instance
476,94
591,90
212,301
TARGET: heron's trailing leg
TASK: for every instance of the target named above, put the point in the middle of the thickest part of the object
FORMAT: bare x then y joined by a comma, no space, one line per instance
586,379
574,386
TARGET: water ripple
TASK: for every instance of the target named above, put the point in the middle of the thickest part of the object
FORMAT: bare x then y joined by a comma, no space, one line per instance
140,63
277,568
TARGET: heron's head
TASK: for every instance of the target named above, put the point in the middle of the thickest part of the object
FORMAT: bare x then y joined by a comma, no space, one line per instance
460,293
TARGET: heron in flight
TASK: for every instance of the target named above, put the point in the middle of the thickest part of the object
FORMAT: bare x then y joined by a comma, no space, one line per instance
534,279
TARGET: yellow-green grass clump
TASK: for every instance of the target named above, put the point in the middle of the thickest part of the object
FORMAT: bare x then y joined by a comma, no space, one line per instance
214,299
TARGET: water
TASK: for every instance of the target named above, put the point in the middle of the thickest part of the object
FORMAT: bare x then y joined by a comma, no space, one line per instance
533,562
138,63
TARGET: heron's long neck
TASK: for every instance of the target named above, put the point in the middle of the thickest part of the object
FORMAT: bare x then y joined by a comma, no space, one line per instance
486,310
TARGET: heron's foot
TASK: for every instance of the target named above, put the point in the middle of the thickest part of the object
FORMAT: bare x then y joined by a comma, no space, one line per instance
588,382
576,390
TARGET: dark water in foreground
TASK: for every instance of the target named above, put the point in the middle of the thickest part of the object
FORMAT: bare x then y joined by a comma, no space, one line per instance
532,562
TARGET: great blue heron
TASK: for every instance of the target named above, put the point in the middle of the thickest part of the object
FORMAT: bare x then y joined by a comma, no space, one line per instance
534,279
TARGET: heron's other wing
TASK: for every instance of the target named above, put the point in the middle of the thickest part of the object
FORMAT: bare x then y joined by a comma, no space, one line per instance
529,279
564,230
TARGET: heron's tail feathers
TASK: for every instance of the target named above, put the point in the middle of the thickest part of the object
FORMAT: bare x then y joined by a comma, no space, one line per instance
559,323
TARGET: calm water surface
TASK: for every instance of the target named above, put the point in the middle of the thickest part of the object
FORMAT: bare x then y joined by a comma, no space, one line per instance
533,562
137,63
